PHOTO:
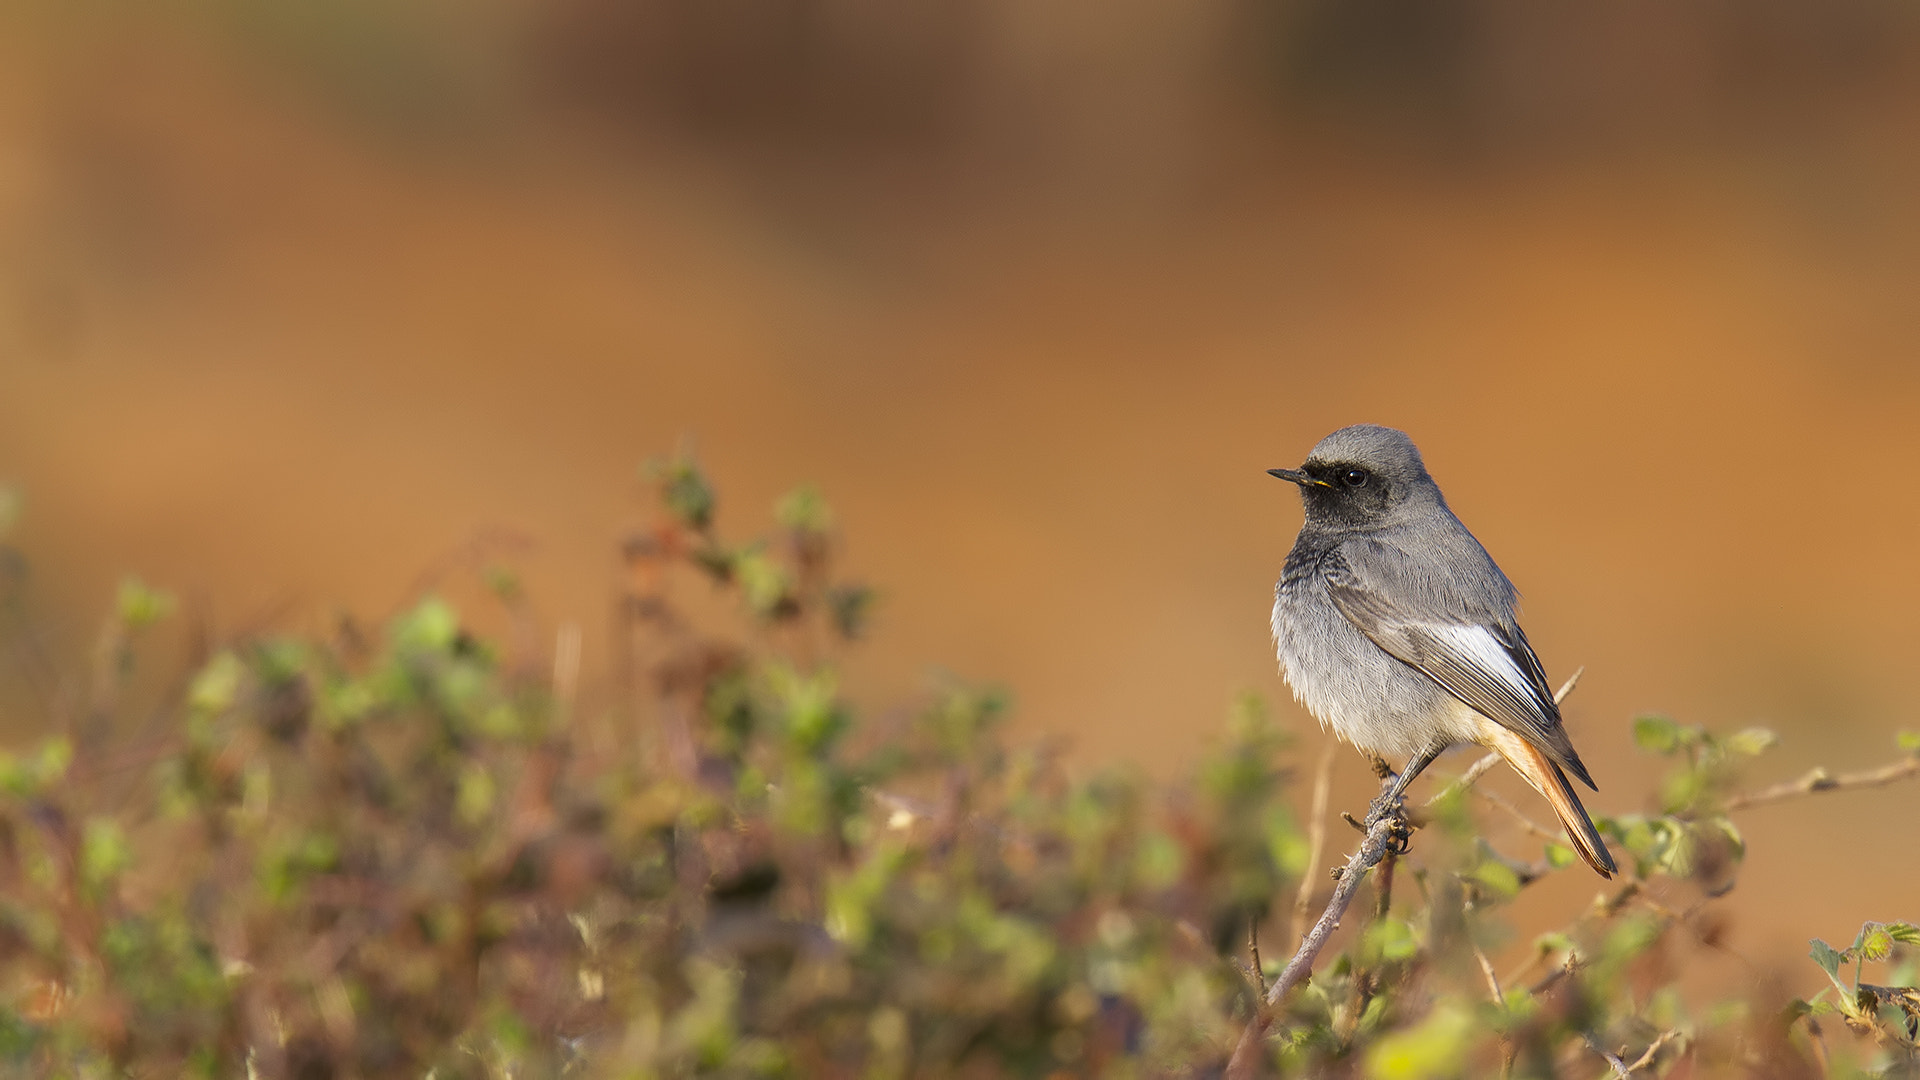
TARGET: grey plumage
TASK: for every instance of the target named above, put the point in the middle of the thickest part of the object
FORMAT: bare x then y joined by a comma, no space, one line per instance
1396,629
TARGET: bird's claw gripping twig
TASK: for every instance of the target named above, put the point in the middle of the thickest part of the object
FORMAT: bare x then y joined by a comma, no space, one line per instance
1392,809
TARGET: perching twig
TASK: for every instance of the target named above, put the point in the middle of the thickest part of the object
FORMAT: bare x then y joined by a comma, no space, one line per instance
1818,780
1380,838
1316,839
1247,1053
1372,850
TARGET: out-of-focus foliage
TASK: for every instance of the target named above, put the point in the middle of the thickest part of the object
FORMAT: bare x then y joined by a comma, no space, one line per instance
409,858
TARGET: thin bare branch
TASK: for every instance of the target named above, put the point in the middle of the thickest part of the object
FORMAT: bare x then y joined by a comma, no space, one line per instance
1316,839
1253,947
1818,781
1371,851
1247,1056
1486,972
1613,1059
1653,1050
1467,779
1573,680
1532,826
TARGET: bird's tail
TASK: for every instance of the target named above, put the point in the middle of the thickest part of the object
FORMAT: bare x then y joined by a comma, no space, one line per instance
1546,778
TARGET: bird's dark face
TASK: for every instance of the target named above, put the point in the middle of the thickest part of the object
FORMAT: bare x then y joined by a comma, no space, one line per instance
1341,492
1360,477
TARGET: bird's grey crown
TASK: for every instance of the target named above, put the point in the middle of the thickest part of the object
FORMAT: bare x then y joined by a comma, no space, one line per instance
1374,446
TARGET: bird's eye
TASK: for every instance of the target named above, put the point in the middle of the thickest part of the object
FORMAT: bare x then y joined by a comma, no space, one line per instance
1354,478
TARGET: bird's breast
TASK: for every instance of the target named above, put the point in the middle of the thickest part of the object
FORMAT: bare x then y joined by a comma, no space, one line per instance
1352,686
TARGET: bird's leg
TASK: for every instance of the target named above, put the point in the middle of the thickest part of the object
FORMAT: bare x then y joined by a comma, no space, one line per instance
1390,803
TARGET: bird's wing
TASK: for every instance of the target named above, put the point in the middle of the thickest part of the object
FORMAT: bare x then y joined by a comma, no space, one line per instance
1478,656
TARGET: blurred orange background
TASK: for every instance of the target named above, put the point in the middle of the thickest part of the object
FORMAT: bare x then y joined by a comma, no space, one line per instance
297,299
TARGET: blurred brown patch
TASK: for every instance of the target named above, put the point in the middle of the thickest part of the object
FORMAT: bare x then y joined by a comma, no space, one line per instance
289,311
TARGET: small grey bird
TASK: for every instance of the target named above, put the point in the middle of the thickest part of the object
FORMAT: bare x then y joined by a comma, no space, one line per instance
1395,628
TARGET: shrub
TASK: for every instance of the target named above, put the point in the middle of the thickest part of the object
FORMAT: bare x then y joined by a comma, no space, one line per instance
408,858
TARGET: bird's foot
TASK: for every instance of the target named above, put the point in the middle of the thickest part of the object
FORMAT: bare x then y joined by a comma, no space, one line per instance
1385,805
1392,809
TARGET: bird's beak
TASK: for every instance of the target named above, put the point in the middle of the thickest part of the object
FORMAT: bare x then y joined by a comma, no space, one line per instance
1298,477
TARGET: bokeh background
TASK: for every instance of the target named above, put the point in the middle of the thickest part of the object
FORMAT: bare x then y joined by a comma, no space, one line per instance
304,304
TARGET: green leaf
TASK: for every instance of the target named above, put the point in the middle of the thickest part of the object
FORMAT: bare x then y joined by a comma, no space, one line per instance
1559,855
1800,1007
1908,741
140,605
684,490
1680,855
1829,959
764,583
1658,734
1498,877
804,511
503,582
1158,860
103,852
1392,939
474,800
217,685
1727,829
430,627
813,714
33,774
1645,839
1684,789
1629,939
850,606
1904,933
1751,742
1427,1052
1552,942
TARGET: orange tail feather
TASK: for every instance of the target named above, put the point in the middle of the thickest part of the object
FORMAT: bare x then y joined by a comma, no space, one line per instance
1546,778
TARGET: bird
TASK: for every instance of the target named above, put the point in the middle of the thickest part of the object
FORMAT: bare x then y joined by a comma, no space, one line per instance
1396,629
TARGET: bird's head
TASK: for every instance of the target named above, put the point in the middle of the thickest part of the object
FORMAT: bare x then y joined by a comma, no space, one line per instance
1364,476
